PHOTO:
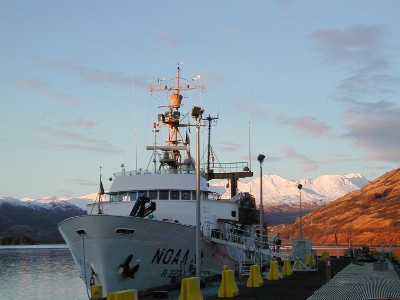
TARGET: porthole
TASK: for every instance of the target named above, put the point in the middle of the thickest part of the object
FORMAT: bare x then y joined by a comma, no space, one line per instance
125,231
81,231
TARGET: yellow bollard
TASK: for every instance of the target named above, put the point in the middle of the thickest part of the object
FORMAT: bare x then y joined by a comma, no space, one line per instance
97,292
287,268
273,273
123,295
324,256
226,267
190,289
228,288
312,260
255,278
307,260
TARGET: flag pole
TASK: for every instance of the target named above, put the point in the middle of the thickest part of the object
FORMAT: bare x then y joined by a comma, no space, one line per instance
101,192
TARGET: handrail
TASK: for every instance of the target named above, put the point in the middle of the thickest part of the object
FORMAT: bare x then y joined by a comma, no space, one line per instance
248,240
231,167
229,233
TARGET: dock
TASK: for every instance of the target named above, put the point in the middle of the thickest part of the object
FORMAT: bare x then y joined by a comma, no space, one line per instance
349,281
361,281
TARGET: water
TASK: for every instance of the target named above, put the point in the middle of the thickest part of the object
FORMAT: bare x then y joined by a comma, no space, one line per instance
39,273
48,272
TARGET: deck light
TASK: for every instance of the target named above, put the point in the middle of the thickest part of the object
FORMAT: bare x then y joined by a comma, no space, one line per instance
300,186
197,112
261,158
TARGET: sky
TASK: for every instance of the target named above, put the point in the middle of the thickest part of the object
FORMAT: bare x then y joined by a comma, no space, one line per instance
312,85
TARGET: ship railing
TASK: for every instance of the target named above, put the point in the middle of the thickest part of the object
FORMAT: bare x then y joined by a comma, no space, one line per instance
233,234
247,239
217,168
228,167
145,172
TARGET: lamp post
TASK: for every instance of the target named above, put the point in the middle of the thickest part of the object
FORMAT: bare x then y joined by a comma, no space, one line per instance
197,113
260,159
300,186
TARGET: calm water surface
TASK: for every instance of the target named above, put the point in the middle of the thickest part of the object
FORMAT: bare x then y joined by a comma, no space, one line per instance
48,272
39,273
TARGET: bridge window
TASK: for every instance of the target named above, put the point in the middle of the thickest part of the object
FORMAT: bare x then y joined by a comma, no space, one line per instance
193,195
185,195
142,194
124,197
113,198
133,196
164,195
153,195
175,195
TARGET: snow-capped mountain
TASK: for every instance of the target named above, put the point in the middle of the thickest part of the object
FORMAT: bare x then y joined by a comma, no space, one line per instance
276,191
30,222
37,219
280,191
48,202
45,203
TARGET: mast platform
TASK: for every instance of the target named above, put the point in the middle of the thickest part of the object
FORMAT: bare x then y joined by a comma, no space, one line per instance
232,171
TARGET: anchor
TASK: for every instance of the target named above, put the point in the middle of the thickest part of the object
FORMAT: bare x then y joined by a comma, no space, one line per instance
125,268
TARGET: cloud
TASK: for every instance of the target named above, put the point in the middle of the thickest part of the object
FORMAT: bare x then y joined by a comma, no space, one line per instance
284,2
62,140
95,75
213,78
362,83
357,45
31,84
340,158
166,39
229,146
359,109
84,182
307,164
364,55
246,107
79,123
369,88
375,130
41,88
309,124
223,32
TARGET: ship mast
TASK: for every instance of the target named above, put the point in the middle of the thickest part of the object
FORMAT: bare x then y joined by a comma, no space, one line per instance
171,120
209,119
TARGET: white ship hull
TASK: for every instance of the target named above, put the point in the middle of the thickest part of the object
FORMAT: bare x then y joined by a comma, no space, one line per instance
163,251
144,235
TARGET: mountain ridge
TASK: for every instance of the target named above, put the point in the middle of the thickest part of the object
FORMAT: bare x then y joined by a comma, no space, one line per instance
31,222
279,191
368,216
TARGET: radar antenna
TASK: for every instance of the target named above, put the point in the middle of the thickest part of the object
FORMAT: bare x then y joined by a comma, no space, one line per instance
171,119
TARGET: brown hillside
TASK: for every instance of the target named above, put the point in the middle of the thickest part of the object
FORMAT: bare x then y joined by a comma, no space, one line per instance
369,216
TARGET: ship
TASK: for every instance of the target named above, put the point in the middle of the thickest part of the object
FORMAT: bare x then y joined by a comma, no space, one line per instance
156,222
